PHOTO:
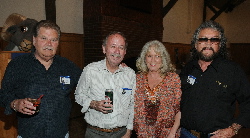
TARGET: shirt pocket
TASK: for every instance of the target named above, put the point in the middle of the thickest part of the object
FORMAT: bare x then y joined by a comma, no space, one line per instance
65,82
222,91
126,97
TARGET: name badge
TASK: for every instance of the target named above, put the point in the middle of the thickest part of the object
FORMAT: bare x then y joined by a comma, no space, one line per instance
126,91
65,79
191,79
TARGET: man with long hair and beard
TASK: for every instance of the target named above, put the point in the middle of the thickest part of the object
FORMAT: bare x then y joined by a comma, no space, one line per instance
211,85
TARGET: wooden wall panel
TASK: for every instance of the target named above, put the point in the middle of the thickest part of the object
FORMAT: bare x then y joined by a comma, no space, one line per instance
8,123
240,54
179,53
3,43
71,47
4,60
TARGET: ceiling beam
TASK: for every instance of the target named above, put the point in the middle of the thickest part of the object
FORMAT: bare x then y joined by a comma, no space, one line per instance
217,14
50,9
167,8
204,11
211,7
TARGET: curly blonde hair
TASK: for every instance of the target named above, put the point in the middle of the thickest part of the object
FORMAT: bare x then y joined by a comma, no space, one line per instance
160,49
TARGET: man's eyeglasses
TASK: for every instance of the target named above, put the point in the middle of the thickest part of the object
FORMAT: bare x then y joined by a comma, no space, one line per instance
212,40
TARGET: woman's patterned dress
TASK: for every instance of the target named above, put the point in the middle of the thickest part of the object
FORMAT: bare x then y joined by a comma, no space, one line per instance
155,109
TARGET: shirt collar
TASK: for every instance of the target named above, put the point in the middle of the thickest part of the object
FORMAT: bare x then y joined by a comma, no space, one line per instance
34,57
215,63
104,67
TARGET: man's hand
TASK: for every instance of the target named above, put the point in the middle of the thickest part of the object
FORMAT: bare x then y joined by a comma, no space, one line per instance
23,106
223,133
128,134
227,132
102,106
124,65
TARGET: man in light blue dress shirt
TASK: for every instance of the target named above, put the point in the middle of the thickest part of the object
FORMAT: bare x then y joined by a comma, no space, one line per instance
108,74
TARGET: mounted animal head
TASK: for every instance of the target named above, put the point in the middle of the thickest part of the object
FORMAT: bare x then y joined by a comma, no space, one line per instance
18,32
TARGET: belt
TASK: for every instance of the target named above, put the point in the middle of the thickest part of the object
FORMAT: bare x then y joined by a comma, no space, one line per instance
105,129
199,134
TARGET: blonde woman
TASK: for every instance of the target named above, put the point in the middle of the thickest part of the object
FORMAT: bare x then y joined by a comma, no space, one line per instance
158,93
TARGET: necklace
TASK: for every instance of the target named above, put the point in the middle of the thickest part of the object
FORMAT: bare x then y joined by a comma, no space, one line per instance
152,94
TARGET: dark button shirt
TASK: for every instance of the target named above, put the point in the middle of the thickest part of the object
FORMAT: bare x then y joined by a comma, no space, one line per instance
26,77
209,97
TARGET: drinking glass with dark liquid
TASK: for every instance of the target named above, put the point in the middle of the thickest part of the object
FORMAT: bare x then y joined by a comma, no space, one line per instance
36,103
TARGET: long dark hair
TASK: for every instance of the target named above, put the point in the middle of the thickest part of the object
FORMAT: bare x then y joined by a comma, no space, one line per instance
223,41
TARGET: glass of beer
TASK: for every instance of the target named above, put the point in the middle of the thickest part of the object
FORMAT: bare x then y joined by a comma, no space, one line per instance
36,103
109,96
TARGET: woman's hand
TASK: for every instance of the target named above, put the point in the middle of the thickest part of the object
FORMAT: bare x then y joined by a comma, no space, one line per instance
171,135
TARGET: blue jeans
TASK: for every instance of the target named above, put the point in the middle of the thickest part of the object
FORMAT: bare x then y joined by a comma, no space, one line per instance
186,134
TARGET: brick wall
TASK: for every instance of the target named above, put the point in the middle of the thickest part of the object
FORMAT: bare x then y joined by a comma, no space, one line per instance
104,16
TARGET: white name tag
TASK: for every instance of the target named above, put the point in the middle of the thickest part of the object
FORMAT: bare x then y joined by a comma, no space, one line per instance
65,79
191,79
